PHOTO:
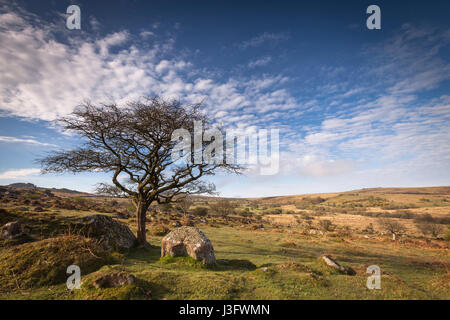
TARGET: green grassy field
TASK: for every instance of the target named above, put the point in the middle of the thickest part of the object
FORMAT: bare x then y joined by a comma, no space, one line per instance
293,272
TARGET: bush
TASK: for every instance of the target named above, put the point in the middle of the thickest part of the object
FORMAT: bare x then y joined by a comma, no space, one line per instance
431,229
273,211
159,230
222,207
326,225
200,211
242,212
315,200
369,228
345,231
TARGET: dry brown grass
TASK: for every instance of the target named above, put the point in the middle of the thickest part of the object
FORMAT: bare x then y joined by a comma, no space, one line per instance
355,222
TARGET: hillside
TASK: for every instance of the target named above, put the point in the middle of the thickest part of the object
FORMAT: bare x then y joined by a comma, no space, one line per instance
267,248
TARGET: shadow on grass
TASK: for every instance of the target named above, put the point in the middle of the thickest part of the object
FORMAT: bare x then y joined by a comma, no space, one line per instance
147,255
220,265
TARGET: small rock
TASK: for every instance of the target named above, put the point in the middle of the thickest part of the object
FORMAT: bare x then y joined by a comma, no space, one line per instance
265,269
12,230
114,280
334,264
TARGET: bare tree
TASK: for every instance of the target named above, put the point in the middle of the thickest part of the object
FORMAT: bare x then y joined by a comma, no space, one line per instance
135,142
183,204
392,226
432,229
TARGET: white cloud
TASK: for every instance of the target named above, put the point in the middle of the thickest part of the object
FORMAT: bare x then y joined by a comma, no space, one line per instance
146,34
19,173
27,140
266,37
44,77
259,62
313,165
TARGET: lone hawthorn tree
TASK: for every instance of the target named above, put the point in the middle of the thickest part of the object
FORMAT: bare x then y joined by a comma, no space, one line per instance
392,226
135,142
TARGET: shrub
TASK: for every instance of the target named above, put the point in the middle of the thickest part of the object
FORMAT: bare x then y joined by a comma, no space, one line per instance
159,230
432,229
326,225
200,211
345,231
369,228
316,200
242,212
222,207
273,211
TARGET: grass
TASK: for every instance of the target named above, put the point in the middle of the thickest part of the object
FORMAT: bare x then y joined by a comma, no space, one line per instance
45,262
277,262
292,273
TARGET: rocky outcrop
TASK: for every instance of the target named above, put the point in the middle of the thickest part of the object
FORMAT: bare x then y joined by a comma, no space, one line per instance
188,241
113,234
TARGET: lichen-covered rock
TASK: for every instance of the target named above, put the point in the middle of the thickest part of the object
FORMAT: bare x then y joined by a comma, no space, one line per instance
12,230
188,241
113,234
114,280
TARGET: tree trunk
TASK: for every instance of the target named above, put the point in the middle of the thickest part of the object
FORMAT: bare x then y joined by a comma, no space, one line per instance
141,214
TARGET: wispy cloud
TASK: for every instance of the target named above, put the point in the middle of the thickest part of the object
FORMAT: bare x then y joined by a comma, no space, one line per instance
26,140
117,67
351,119
260,62
19,173
263,38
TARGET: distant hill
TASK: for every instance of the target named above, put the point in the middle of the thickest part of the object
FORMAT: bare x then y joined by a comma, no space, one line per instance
31,186
22,185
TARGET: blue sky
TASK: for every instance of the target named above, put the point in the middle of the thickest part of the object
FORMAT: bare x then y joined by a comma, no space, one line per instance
355,107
